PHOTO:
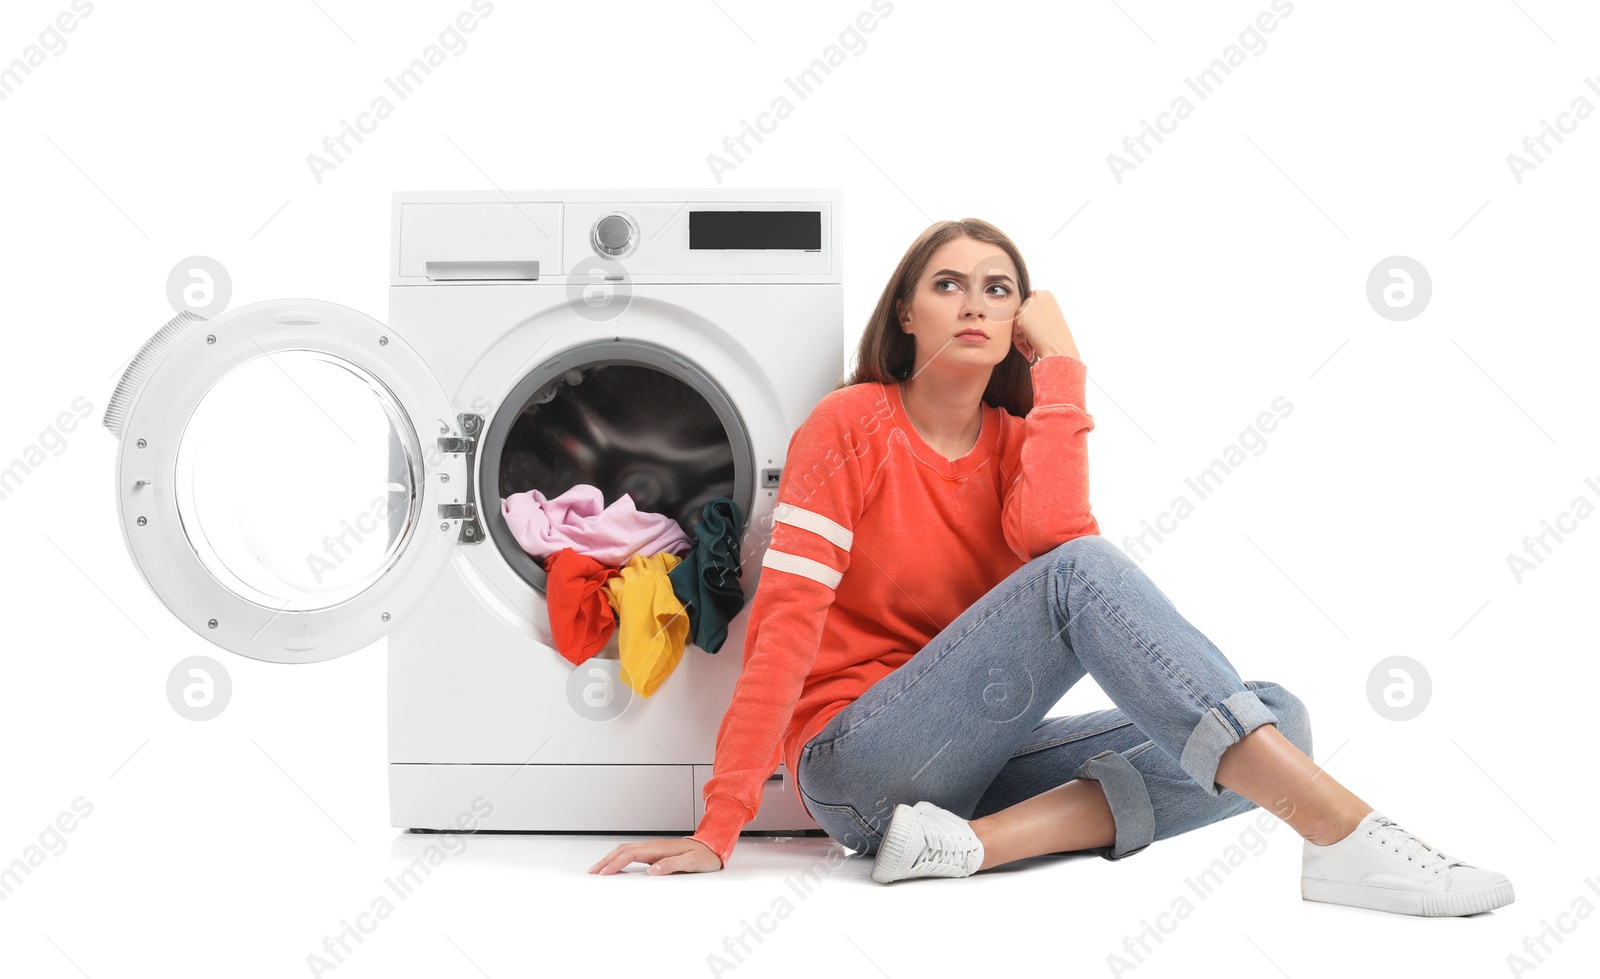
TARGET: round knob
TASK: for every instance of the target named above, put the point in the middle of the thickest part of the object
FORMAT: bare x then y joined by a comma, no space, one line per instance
614,234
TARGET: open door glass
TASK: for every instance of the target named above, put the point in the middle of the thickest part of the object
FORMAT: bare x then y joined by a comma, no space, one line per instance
290,477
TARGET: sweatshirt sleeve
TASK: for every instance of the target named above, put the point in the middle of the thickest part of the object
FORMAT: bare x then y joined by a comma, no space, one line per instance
820,498
1047,473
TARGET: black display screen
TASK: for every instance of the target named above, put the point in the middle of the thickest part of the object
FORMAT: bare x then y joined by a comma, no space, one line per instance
756,229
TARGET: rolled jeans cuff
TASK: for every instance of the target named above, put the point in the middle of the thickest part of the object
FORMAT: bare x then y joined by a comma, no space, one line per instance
1125,792
1219,729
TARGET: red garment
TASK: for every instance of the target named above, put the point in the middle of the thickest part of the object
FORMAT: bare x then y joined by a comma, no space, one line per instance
847,592
581,619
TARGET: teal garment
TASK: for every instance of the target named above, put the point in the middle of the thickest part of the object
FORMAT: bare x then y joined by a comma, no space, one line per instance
706,581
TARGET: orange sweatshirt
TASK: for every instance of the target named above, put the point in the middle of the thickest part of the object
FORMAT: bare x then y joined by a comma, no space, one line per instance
879,542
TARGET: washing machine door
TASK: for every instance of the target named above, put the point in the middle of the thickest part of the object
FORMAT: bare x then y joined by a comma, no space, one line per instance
291,477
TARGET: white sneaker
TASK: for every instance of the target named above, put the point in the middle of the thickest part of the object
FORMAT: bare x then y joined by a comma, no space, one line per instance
1386,867
926,841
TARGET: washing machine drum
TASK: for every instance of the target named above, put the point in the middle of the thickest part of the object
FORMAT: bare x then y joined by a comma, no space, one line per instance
624,428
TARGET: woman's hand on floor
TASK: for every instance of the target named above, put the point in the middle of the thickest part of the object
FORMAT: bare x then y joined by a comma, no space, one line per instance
665,856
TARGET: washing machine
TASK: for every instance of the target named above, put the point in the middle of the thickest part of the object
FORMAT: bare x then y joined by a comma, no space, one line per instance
297,481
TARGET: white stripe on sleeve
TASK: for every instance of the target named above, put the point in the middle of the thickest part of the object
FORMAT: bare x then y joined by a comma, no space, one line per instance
823,527
803,566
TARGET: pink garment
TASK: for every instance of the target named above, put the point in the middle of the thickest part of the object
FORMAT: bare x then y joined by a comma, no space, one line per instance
579,519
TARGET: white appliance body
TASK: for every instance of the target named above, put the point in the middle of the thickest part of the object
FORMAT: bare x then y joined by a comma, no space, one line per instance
496,301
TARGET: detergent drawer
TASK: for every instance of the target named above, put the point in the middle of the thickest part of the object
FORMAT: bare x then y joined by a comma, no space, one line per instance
570,798
478,242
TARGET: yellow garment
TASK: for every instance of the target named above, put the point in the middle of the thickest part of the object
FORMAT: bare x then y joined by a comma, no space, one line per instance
652,625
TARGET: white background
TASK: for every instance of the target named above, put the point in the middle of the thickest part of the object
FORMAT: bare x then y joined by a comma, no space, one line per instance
1227,270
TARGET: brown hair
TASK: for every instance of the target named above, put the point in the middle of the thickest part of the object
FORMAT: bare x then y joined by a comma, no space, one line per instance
886,353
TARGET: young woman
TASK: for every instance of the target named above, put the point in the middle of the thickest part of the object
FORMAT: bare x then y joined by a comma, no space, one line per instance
936,582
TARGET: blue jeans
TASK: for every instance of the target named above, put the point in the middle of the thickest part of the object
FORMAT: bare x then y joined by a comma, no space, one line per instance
961,724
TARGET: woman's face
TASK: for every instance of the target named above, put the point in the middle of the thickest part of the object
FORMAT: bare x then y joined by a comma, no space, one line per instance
969,287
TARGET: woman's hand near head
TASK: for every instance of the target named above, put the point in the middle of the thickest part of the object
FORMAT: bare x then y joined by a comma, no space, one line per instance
665,856
1040,328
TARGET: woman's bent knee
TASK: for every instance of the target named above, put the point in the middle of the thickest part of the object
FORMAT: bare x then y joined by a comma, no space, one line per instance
1088,553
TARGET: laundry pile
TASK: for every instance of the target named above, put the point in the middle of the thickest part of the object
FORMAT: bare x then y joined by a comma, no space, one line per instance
619,569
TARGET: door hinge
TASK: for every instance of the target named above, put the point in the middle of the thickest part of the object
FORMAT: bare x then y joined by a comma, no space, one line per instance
466,444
